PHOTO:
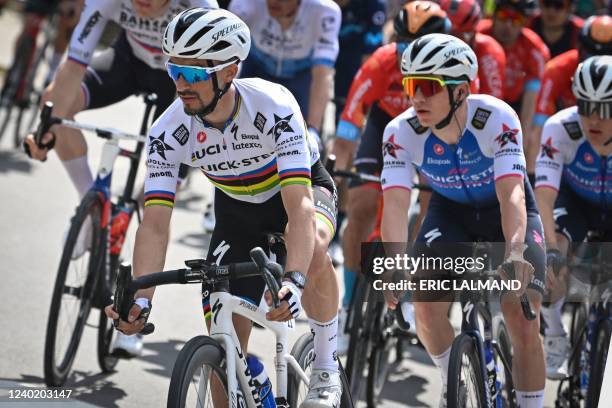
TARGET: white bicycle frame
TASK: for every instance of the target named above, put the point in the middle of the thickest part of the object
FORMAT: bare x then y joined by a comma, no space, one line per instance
223,305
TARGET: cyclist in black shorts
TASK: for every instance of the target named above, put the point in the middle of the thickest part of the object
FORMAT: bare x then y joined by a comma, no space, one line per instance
134,64
376,92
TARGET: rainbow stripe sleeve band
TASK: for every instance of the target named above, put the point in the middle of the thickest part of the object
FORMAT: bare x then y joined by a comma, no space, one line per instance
159,197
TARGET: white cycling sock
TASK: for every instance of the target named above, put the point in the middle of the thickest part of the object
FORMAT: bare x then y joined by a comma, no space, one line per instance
441,361
552,318
530,399
80,174
325,344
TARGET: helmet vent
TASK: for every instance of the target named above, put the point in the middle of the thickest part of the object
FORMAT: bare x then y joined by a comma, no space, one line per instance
198,35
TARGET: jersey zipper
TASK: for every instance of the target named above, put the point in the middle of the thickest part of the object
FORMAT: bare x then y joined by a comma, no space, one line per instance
602,193
465,188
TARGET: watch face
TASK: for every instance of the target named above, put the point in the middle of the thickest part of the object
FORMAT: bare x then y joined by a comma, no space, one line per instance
297,278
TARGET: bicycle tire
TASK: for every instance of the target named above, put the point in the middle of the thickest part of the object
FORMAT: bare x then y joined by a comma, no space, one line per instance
577,340
505,345
31,97
359,340
379,363
197,352
303,352
91,206
599,352
5,118
464,346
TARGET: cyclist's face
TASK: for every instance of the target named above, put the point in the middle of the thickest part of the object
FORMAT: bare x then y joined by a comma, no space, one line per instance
282,8
430,110
149,8
197,96
507,26
554,12
597,130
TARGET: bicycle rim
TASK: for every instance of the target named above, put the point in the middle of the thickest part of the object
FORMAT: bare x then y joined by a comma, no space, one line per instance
465,381
73,291
505,375
600,346
381,358
199,377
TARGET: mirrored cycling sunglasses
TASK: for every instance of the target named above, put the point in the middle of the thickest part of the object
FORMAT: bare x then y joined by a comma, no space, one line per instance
192,74
428,85
602,109
516,18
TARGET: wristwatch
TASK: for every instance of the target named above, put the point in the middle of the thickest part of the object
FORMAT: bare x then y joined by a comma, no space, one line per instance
297,278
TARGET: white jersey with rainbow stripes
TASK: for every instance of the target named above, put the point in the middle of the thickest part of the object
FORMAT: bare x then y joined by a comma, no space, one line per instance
262,147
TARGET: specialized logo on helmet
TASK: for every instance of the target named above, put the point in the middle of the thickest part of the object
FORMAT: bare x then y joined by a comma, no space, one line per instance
508,135
281,125
159,146
548,149
226,31
390,147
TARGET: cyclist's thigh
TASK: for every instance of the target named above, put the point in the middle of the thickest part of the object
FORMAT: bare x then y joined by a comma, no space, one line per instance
239,227
569,214
109,77
156,81
325,197
440,237
368,158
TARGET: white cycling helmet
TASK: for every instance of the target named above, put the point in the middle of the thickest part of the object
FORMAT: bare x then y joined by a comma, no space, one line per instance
593,79
440,54
207,34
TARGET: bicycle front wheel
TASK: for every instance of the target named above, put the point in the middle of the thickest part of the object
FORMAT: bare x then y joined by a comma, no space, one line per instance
599,354
303,352
465,380
382,356
77,276
199,377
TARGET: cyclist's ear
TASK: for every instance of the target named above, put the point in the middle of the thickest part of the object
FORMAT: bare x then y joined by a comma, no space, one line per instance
229,73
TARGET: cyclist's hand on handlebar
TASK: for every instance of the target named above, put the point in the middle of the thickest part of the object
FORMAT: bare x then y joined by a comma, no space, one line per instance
523,272
39,152
290,305
134,324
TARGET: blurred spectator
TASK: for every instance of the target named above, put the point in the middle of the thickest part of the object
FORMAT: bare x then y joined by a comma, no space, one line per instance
557,26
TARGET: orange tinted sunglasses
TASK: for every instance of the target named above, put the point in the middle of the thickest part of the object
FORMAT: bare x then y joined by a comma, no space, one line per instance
517,19
428,85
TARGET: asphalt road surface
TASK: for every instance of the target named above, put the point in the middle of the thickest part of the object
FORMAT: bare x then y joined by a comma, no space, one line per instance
33,218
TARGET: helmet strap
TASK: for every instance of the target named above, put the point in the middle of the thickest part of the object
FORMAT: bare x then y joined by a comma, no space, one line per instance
218,93
454,105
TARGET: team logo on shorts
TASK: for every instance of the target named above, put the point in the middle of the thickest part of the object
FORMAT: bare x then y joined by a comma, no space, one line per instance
159,146
507,135
548,149
281,125
390,147
438,149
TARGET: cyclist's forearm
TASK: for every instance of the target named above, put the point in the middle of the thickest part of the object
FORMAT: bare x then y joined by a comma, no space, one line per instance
545,198
513,213
343,150
394,226
300,233
319,94
149,253
65,88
